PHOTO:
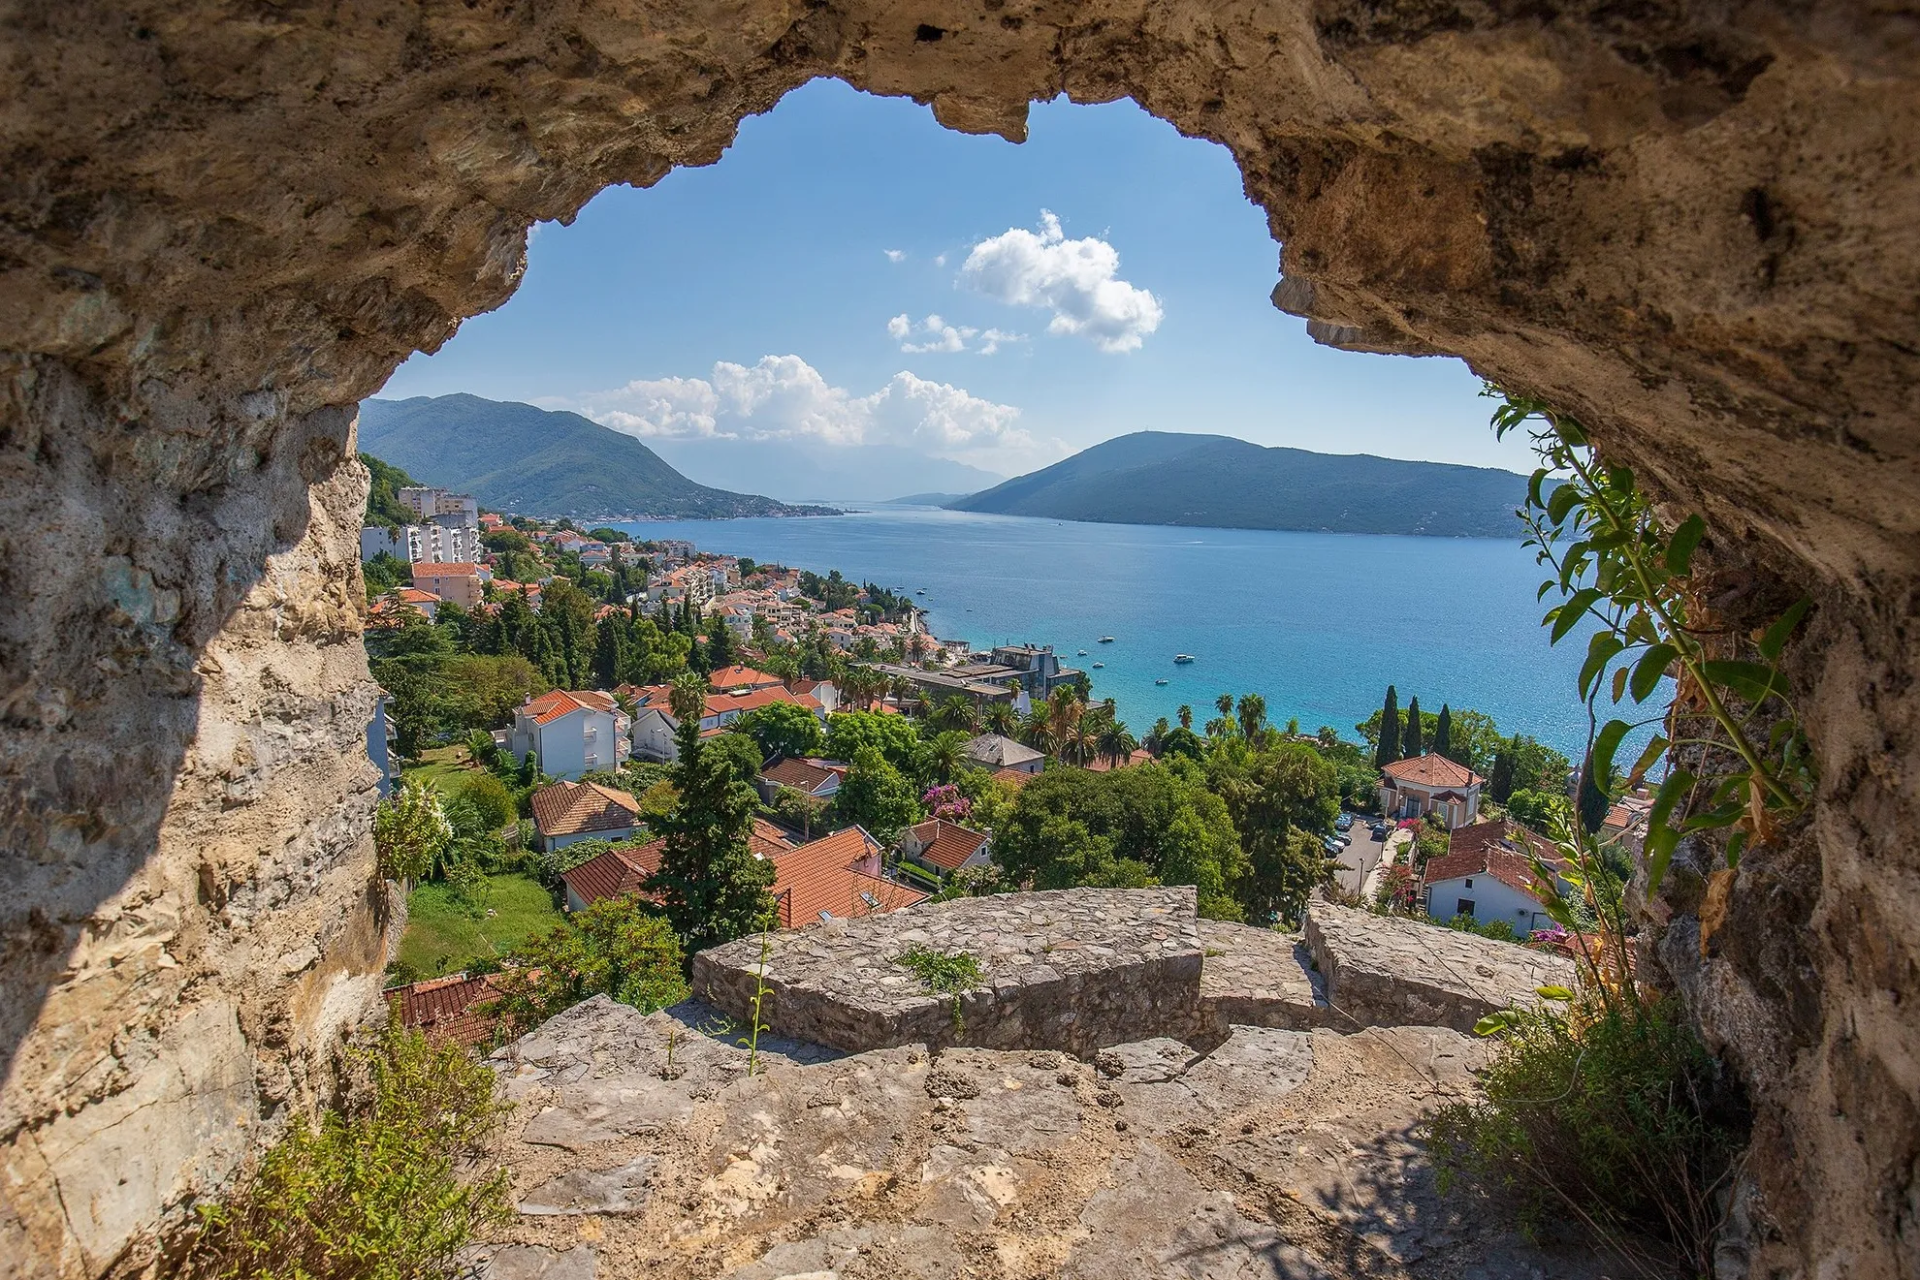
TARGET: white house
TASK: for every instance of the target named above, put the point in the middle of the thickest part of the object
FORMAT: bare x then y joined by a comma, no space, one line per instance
654,724
993,751
569,812
570,733
945,847
1486,874
1420,785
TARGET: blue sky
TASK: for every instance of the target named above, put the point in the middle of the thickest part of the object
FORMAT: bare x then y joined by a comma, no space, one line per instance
1106,276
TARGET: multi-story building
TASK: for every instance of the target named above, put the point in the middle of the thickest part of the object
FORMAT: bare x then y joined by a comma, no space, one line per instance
570,732
421,543
458,583
438,506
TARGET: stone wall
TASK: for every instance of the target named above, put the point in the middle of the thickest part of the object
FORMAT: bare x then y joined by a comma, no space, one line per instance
1385,971
221,227
1073,969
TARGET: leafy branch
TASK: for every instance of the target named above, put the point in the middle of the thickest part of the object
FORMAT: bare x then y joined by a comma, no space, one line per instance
1730,717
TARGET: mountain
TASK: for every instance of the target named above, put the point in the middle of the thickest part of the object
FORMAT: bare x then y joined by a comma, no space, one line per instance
514,457
1158,477
926,500
798,472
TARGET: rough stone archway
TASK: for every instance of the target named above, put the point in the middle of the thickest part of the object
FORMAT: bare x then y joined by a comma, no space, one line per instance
223,224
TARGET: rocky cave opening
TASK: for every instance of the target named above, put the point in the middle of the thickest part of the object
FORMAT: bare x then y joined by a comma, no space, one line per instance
220,229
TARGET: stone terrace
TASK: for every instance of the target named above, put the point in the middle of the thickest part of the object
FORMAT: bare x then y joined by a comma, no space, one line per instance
1257,977
1073,970
1387,972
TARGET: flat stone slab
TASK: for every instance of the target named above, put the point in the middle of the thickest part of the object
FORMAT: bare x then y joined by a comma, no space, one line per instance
1276,1153
1073,969
1389,971
1255,977
619,1190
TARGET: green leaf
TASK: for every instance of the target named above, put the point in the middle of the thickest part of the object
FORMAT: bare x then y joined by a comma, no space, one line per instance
1776,638
1562,502
1569,614
1677,784
1495,1023
1735,843
1656,747
1533,488
1652,665
1554,993
1600,651
1659,850
1750,680
1620,684
1545,587
1681,546
1604,746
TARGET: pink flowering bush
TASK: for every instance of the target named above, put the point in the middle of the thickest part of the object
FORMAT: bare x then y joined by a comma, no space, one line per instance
947,803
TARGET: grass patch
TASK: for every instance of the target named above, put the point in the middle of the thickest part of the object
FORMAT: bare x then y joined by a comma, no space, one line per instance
445,769
444,933
944,974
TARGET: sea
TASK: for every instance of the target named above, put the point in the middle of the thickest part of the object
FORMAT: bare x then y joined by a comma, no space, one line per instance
1319,624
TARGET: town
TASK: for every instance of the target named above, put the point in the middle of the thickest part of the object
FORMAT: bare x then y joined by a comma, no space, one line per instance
558,701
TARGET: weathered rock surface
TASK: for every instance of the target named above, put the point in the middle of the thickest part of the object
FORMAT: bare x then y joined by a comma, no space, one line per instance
221,227
1261,978
1278,1153
1384,971
1072,969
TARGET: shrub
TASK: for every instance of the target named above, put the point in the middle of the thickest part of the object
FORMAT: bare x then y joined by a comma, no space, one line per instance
1610,1115
616,947
1498,930
491,800
371,1192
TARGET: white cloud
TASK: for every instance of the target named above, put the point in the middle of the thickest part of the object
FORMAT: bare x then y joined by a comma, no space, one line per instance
785,398
1077,280
895,255
936,335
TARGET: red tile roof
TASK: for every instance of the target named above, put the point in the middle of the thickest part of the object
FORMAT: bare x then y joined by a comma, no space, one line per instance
575,808
947,845
446,569
737,677
1497,849
1432,770
801,775
659,697
820,876
620,870
448,1007
549,707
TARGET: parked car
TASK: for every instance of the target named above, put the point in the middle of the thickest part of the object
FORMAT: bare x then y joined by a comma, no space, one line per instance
1380,830
1343,822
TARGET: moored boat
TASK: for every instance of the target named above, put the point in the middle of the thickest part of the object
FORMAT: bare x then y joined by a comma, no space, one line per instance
1182,659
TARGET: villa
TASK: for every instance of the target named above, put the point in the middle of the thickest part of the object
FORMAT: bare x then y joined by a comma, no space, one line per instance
1420,785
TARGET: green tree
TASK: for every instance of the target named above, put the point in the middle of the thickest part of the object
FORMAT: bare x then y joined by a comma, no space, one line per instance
711,885
877,796
609,654
1282,803
1500,783
1593,802
492,803
1185,716
1410,739
1443,734
1389,749
482,690
410,832
943,755
956,711
720,650
893,736
783,729
1253,714
615,947
1537,810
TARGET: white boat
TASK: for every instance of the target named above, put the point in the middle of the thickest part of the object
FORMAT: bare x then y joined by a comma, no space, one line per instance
1098,665
1083,653
1161,680
1182,659
1106,639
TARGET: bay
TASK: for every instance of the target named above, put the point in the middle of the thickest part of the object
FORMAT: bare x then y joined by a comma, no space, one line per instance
1317,624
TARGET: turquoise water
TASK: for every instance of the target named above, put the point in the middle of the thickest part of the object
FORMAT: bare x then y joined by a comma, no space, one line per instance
1318,624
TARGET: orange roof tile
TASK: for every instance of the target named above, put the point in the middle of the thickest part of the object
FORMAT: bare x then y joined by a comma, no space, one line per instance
575,808
1498,849
446,569
820,876
448,1007
736,677
620,870
948,844
1432,770
802,775
549,707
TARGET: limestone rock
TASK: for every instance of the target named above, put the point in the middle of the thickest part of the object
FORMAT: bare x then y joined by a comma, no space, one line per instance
621,1190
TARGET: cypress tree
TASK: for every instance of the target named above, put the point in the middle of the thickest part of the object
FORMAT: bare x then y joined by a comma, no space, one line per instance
1593,801
609,654
1410,740
711,886
1389,749
1500,785
719,643
1443,734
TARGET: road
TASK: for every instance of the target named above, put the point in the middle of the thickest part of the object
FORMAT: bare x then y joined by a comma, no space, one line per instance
1359,857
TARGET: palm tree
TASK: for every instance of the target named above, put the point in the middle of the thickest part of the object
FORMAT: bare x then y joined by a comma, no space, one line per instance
1186,716
687,699
1115,744
1062,718
957,711
1224,704
1253,714
944,755
1001,718
1033,729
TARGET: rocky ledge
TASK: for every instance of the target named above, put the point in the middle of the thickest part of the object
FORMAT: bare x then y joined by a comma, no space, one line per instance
644,1146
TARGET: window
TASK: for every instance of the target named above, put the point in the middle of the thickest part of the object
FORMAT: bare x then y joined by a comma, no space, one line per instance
1469,882
1464,907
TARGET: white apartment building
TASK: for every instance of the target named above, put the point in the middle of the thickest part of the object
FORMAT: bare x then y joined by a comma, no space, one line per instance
421,543
441,506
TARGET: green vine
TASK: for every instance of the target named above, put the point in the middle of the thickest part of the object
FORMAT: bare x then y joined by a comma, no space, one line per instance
1738,761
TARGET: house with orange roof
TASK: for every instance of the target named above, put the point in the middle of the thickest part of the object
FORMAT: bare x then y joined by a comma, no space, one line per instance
654,724
739,677
836,877
451,1008
570,732
944,847
459,582
1420,785
569,812
1487,874
820,779
388,606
